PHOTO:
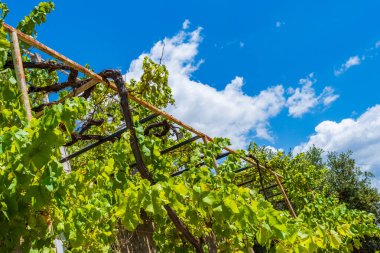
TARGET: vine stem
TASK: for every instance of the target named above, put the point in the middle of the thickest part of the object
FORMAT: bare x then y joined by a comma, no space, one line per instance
124,103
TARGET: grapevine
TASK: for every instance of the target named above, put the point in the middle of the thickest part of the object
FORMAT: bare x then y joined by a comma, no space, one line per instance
184,198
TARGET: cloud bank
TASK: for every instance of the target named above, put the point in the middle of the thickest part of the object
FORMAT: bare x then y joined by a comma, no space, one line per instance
228,112
360,135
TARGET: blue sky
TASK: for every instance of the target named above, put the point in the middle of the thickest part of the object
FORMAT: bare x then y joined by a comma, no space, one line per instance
269,51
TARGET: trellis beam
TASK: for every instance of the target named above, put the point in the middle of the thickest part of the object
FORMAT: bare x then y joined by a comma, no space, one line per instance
20,75
285,196
110,137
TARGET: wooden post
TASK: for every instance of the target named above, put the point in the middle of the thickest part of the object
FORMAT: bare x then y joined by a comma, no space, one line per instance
292,212
20,76
66,164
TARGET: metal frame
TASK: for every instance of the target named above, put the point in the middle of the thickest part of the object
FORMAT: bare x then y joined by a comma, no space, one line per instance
16,34
110,137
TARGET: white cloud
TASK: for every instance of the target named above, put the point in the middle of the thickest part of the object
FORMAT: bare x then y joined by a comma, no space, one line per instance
352,61
303,99
228,112
360,135
357,60
279,24
328,96
185,24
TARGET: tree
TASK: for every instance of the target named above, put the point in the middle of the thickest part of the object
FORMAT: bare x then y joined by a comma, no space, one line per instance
351,184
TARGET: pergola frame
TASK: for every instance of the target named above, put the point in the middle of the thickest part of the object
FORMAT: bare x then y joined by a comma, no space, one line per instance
115,86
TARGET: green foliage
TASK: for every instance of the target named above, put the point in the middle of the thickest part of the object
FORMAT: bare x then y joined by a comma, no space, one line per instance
36,17
4,43
351,185
302,178
101,195
4,11
312,193
153,85
30,176
345,180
